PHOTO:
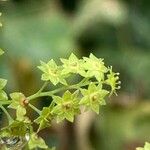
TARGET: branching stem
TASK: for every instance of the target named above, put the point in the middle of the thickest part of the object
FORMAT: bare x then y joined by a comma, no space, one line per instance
51,93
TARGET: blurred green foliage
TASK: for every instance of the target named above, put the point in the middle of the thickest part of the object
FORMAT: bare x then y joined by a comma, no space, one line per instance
117,30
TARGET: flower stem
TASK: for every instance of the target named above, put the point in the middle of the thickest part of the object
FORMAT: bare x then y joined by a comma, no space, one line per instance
51,93
10,119
5,102
42,88
35,109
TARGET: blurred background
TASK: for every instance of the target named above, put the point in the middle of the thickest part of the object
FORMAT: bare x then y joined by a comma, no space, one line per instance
116,30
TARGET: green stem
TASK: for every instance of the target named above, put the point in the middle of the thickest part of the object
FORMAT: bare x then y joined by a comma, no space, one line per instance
51,93
42,88
5,102
34,108
10,119
52,105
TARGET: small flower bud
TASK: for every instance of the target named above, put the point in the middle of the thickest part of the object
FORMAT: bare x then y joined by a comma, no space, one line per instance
119,82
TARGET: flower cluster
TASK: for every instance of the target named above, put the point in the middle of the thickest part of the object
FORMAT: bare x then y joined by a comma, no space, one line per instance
88,67
93,97
89,93
67,106
95,74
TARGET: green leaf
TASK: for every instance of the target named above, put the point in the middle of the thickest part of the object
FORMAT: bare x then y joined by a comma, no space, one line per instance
3,83
93,97
36,141
67,106
1,51
3,95
52,72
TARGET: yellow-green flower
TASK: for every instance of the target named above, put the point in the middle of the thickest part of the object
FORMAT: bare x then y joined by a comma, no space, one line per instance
93,97
113,80
44,119
95,67
52,72
18,103
67,106
36,142
73,65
